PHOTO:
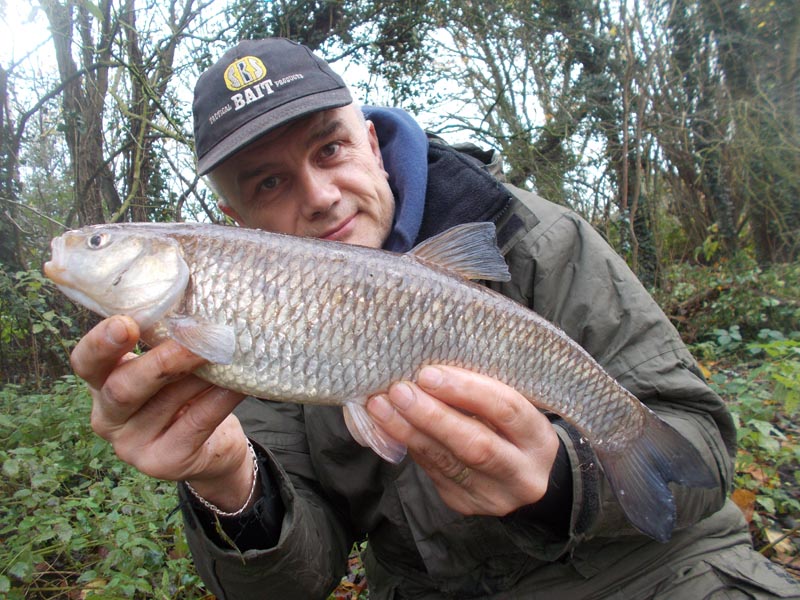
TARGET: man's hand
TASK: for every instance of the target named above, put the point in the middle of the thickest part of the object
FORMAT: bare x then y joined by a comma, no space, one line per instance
488,450
159,418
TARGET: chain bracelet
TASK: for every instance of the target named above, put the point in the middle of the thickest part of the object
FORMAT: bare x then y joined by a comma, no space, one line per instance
216,510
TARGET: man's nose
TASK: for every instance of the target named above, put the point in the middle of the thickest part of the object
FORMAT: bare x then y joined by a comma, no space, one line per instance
320,193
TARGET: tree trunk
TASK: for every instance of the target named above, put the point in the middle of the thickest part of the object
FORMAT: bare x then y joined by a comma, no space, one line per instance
83,104
9,150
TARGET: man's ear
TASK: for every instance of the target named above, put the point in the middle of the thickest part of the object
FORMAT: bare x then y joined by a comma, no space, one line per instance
230,213
374,144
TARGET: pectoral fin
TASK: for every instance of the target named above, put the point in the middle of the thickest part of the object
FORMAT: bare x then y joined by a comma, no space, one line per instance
369,434
216,343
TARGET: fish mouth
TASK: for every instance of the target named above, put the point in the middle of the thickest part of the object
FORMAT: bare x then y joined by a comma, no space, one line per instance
53,272
53,268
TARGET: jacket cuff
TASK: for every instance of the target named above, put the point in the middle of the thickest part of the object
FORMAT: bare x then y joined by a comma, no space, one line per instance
233,573
585,480
552,513
557,523
259,527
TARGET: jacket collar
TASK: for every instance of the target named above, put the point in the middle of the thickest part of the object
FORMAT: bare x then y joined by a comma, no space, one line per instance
435,185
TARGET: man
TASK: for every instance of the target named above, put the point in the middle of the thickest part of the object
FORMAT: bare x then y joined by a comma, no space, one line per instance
496,499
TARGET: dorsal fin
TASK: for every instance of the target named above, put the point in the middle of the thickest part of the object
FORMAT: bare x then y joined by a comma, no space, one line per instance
469,250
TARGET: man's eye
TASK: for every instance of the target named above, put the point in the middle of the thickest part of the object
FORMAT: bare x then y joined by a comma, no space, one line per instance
329,150
270,183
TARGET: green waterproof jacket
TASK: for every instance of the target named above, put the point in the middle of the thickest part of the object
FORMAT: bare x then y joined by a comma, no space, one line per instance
335,492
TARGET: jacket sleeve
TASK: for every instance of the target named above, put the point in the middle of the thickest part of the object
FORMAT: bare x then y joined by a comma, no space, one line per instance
311,552
566,272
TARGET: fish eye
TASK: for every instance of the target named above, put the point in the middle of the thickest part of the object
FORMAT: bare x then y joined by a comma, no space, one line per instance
98,240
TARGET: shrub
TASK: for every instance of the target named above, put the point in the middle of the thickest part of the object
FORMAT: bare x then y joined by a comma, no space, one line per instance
38,327
77,522
738,293
763,394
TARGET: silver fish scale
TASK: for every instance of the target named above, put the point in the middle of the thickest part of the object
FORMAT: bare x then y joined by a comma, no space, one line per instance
340,327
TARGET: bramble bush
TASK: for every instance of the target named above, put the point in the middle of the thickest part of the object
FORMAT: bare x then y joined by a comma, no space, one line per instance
761,382
77,522
745,324
735,294
38,327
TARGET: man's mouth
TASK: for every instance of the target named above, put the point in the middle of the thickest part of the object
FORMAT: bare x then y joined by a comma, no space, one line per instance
339,231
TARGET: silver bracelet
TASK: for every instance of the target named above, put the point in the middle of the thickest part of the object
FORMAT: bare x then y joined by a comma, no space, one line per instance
216,510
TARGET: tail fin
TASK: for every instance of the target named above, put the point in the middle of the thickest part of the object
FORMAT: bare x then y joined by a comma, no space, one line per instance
639,476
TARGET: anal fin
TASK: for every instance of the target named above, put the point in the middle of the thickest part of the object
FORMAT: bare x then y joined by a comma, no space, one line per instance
369,434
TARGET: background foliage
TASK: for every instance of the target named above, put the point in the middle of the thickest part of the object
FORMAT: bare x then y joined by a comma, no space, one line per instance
671,125
77,523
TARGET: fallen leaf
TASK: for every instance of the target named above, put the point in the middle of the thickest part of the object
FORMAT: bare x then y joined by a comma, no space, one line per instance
757,474
746,501
91,587
783,559
780,546
706,372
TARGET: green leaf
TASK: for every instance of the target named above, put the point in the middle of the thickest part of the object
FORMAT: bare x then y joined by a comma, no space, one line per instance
121,537
766,429
120,493
719,378
770,334
5,584
766,503
769,444
64,532
43,480
21,569
11,467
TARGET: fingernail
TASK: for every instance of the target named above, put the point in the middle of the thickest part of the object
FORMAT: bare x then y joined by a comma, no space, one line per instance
430,377
402,395
380,408
117,331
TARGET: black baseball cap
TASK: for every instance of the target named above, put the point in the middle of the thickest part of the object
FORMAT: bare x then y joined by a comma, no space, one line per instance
255,87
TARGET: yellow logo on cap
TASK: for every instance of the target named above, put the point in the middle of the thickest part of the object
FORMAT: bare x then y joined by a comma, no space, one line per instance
245,71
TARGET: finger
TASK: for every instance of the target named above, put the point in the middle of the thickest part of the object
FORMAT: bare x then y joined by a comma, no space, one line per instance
100,350
475,470
430,454
157,413
468,439
204,414
502,407
193,442
441,463
134,382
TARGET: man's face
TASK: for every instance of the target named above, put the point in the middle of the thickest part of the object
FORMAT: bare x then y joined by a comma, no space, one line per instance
321,177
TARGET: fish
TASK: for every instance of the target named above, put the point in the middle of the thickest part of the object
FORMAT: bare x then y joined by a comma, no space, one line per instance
303,320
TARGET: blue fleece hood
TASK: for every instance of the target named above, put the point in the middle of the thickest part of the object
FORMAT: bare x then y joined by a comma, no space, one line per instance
404,147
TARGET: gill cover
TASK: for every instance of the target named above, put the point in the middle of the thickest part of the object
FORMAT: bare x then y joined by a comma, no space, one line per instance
111,271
